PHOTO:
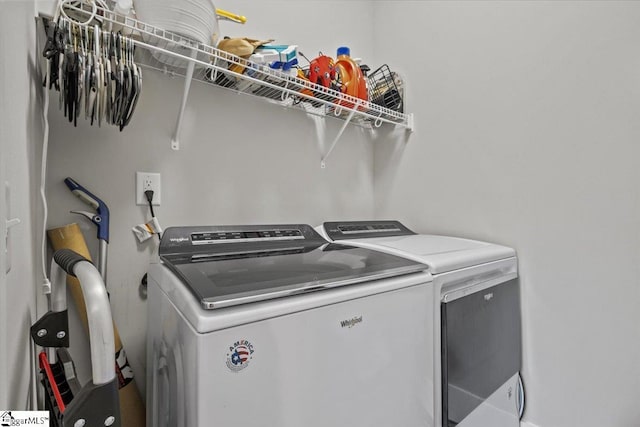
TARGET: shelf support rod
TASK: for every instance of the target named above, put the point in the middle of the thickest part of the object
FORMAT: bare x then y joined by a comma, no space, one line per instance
337,138
175,141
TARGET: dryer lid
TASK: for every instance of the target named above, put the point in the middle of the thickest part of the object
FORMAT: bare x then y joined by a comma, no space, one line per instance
230,265
441,253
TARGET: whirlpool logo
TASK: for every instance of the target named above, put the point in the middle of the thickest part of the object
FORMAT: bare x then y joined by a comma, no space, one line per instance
350,323
179,239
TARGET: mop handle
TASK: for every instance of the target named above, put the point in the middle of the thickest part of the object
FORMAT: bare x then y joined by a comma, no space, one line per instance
101,217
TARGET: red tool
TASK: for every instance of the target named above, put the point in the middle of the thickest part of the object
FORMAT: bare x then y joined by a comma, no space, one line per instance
322,71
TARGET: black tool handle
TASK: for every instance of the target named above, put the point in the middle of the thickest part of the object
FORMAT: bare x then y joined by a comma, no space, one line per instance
67,259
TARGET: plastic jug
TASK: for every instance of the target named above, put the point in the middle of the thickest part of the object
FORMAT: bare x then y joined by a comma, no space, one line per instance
351,77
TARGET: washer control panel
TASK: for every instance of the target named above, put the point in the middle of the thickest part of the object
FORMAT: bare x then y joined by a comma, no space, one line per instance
208,238
236,238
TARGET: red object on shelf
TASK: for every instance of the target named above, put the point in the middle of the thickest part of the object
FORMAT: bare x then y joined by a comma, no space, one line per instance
322,71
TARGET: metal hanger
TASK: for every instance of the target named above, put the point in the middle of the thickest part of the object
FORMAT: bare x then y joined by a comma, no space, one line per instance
94,71
136,81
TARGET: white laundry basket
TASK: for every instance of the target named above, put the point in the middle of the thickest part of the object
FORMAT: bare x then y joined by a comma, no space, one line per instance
193,19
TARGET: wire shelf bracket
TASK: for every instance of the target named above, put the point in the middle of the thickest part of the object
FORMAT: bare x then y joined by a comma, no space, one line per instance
337,137
175,140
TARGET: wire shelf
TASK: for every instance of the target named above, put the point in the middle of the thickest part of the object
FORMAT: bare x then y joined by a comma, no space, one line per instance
174,54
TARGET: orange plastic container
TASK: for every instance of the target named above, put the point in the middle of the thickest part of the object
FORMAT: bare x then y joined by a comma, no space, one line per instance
352,79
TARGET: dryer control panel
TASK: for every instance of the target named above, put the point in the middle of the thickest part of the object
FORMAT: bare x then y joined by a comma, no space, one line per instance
365,229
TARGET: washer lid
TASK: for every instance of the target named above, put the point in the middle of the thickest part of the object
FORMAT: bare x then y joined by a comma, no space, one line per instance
231,265
441,253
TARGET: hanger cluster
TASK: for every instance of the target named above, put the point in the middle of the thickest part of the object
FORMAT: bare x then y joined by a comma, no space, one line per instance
94,71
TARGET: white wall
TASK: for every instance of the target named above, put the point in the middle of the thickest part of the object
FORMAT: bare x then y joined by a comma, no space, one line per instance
527,135
20,143
241,160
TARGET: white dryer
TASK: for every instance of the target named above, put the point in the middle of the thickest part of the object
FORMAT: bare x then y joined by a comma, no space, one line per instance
477,319
273,326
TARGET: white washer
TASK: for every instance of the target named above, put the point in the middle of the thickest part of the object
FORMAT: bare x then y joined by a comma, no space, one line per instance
273,326
477,319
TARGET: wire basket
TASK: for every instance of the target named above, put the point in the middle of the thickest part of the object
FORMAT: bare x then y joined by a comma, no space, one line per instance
383,90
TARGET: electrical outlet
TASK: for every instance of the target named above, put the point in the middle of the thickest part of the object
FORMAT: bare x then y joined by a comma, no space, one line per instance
147,181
